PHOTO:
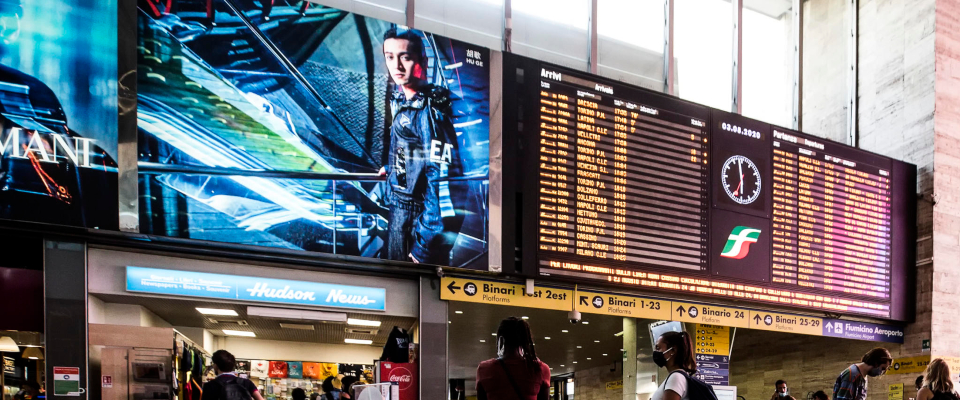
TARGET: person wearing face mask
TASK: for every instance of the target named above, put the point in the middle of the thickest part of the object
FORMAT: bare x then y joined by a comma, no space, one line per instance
852,382
781,391
516,373
674,351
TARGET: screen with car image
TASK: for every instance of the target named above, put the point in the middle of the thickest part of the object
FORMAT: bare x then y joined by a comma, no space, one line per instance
294,125
58,107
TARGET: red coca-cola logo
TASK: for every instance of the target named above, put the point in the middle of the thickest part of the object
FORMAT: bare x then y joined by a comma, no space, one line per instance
402,376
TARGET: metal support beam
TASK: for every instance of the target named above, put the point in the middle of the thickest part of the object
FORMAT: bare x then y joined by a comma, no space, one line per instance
737,92
507,25
411,12
797,64
853,8
593,57
434,380
668,66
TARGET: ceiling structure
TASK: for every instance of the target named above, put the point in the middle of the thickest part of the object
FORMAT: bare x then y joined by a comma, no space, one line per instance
182,312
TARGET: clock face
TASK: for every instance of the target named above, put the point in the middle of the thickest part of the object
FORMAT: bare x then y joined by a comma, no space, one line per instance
741,179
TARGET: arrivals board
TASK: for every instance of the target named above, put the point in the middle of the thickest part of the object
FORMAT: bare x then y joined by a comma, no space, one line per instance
636,188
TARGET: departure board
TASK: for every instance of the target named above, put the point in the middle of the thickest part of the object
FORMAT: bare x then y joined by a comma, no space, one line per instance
628,187
620,181
831,219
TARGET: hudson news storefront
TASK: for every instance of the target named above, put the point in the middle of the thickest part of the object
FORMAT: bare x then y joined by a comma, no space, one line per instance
154,319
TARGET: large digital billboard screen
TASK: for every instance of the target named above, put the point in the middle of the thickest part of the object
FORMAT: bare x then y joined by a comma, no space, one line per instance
631,187
58,107
299,126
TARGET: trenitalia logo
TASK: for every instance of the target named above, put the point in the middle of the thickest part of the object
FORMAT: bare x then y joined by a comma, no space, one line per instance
738,243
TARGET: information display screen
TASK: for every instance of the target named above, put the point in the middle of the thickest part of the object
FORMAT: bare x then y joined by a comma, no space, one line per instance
636,188
620,180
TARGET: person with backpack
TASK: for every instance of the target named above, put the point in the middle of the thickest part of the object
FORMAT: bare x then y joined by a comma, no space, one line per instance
227,385
936,382
516,373
674,351
852,382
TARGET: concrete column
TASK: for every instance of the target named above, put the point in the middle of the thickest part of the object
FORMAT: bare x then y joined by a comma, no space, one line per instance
630,358
434,382
65,309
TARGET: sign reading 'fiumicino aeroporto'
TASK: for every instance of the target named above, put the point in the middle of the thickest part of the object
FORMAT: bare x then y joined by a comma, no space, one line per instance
249,288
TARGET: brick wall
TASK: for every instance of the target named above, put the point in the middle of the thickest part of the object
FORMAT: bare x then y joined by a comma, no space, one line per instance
807,363
946,184
591,384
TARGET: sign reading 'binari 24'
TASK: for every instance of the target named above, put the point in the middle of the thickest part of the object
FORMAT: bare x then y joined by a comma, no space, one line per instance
200,284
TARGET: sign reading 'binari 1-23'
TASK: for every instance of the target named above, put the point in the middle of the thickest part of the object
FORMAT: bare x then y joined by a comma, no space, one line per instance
637,188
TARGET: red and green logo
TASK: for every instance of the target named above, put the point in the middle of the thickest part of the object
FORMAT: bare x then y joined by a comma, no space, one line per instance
738,244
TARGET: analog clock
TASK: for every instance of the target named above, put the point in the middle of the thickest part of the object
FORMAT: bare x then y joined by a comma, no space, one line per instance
741,179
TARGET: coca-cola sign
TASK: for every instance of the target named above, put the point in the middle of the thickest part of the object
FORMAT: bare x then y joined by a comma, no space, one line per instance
402,376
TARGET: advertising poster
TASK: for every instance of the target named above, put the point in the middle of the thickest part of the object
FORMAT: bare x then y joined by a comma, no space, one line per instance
293,125
58,110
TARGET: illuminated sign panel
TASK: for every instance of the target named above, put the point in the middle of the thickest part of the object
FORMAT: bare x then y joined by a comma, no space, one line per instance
636,188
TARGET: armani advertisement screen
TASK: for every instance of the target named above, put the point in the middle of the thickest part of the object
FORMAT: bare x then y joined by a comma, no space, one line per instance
58,107
298,126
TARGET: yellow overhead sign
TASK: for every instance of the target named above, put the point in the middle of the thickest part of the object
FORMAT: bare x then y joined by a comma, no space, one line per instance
505,294
712,340
909,365
595,302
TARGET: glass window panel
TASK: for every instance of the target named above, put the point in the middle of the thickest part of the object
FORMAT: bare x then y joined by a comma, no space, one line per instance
703,36
825,68
477,21
552,30
768,64
630,41
387,10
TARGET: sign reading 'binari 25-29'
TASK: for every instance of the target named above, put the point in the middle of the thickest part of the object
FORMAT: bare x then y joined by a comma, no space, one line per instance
249,288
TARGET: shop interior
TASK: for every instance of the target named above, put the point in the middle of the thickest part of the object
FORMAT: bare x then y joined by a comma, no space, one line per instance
23,364
152,347
586,359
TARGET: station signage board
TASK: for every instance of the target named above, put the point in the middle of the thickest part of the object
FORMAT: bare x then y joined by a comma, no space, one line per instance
249,288
634,188
598,302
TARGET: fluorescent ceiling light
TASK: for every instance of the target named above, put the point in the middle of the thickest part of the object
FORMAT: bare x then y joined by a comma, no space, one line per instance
524,317
579,347
217,311
547,337
604,354
239,333
363,322
294,314
459,312
564,331
586,322
588,358
596,341
7,345
618,334
358,341
482,341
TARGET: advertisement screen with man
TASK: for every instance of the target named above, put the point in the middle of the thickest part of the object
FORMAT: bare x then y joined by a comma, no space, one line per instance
58,110
300,126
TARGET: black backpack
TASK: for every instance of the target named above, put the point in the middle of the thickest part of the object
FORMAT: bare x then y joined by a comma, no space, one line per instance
696,388
234,390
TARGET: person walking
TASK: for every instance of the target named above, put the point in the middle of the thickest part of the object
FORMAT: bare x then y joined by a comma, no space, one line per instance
852,382
516,373
936,382
674,351
299,394
781,391
227,385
